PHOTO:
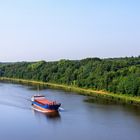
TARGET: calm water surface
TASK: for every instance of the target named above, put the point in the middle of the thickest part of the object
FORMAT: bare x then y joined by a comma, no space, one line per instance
79,119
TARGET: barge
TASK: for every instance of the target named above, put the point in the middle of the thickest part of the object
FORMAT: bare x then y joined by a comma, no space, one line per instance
41,104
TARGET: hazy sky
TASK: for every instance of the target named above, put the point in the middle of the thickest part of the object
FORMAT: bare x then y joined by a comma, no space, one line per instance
71,29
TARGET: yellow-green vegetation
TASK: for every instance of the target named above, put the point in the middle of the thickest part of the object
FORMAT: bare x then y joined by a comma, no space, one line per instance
127,99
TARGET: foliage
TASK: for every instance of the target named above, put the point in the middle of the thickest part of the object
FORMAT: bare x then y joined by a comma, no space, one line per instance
117,75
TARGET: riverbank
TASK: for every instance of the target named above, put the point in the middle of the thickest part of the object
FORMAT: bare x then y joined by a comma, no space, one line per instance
120,98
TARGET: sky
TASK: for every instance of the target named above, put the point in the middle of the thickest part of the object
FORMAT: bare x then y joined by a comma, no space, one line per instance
32,30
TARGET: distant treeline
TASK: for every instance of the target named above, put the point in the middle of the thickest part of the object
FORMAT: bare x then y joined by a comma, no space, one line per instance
117,75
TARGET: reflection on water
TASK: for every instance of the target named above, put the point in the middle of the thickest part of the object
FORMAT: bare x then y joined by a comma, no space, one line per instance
54,116
37,87
105,102
100,100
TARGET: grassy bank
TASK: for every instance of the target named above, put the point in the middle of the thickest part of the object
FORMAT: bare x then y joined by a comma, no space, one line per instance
87,92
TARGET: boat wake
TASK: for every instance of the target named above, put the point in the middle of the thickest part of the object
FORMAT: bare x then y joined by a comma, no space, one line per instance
61,109
13,105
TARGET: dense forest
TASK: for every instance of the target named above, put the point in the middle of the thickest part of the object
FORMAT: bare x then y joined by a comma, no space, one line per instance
117,75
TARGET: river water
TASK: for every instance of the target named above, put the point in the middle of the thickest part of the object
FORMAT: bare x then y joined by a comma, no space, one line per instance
77,119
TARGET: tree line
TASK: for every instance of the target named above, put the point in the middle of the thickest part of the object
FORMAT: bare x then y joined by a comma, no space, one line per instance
117,75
